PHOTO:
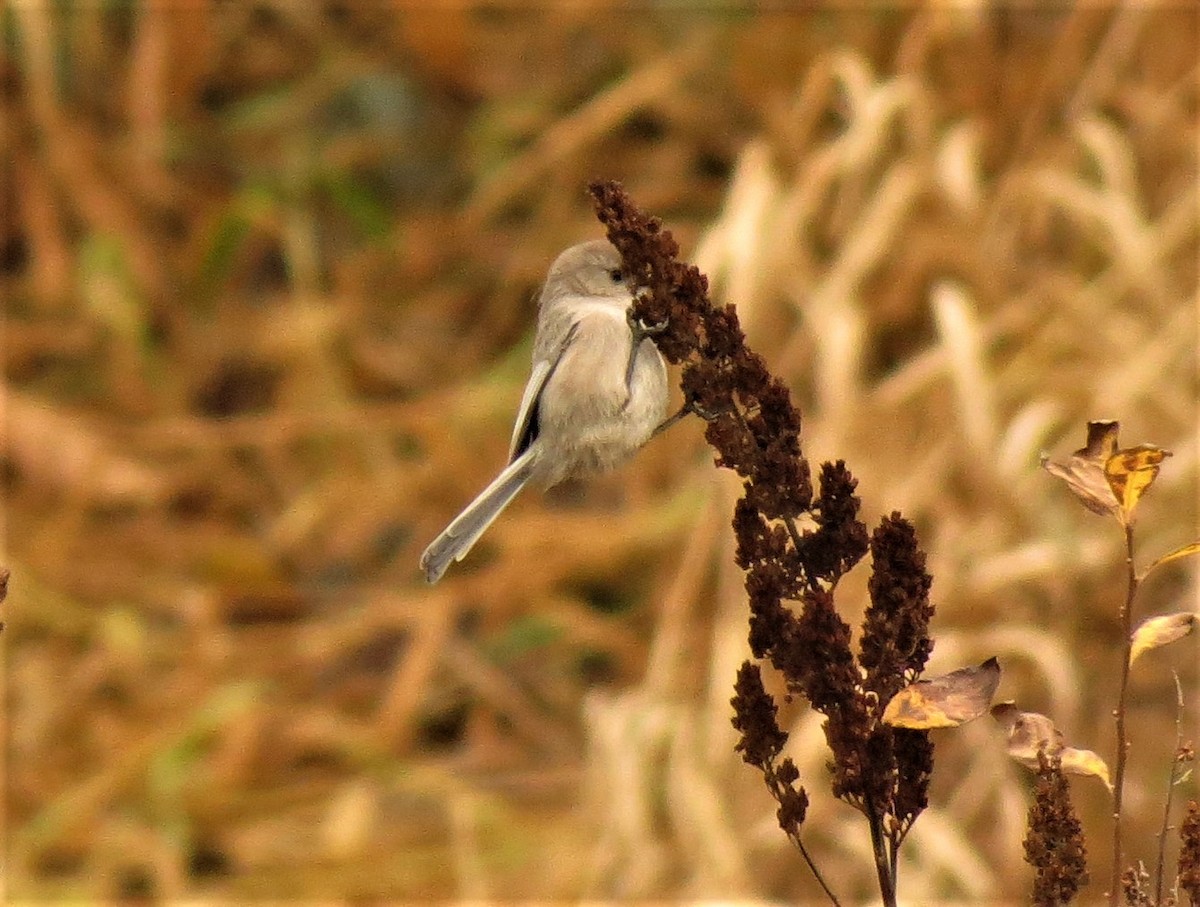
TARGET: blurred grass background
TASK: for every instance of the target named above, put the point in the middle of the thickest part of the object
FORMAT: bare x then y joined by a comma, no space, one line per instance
268,271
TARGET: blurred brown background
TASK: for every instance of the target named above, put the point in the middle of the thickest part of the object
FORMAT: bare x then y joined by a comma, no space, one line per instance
268,271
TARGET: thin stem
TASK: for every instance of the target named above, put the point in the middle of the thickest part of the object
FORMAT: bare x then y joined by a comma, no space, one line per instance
1171,783
797,540
883,865
1119,714
776,787
894,854
816,872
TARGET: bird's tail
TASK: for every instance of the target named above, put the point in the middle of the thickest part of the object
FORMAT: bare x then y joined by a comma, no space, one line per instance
466,528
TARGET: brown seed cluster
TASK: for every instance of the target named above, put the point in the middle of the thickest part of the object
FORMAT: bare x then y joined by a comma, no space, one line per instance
792,575
1189,853
1054,844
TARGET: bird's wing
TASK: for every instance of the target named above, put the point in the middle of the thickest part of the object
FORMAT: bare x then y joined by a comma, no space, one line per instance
526,427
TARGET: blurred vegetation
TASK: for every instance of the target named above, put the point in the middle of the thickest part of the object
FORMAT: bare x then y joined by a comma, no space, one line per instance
267,271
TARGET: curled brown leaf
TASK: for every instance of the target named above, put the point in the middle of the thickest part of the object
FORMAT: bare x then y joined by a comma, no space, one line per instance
945,700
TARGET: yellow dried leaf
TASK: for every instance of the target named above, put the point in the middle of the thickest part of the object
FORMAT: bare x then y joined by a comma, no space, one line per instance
1084,762
1130,472
1160,631
1193,548
1084,472
947,700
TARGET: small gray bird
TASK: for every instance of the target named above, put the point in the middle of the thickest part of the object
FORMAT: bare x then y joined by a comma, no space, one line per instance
591,401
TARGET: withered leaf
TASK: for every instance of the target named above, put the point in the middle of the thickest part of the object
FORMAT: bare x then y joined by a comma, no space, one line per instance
947,700
1084,762
1105,478
1185,551
1130,472
1027,733
1160,631
1101,439
1084,472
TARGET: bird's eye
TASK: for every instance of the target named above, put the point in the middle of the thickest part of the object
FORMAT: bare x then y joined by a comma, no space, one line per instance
616,275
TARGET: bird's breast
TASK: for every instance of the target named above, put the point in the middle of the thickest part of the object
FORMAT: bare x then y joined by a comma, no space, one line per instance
590,418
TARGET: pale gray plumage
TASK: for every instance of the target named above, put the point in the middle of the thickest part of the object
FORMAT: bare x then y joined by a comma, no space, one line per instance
585,408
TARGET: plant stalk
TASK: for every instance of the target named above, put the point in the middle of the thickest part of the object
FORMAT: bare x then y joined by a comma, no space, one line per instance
1171,783
1114,890
883,865
812,866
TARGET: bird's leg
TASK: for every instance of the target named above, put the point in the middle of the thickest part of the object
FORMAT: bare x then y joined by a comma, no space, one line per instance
670,420
688,408
639,331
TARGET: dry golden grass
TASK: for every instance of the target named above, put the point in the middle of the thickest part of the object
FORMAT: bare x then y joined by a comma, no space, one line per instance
267,278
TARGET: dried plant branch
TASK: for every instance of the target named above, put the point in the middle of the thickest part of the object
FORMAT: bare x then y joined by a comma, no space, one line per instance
1122,754
881,771
1183,756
